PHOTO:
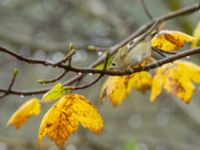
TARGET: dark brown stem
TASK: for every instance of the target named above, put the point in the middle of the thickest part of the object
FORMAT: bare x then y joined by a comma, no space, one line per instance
114,73
94,81
113,49
163,51
159,52
146,10
60,76
15,72
66,58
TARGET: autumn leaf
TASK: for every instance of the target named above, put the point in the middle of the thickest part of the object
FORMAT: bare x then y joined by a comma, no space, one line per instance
168,40
63,117
117,88
196,34
176,78
56,92
22,114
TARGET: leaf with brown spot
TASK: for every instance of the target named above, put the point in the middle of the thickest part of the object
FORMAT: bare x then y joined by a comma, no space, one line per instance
177,79
169,40
63,117
117,88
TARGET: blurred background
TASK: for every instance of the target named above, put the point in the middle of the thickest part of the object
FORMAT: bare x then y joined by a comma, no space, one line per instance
44,28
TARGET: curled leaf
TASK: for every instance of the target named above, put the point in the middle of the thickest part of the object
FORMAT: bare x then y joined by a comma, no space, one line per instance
177,79
63,117
117,88
56,92
23,113
170,40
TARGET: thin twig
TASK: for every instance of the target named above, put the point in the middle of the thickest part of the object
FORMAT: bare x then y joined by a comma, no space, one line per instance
84,86
159,52
112,72
116,73
146,9
145,68
60,76
96,48
15,72
113,49
94,81
66,58
163,51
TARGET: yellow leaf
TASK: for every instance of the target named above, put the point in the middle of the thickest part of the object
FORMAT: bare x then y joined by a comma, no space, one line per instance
56,92
157,83
117,88
177,79
28,109
63,117
170,40
196,34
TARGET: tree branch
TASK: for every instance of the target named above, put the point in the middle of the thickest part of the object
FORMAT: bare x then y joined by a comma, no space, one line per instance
113,73
112,50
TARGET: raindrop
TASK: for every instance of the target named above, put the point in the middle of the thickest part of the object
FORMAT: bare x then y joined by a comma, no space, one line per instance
141,146
99,53
71,147
162,119
21,96
187,57
79,73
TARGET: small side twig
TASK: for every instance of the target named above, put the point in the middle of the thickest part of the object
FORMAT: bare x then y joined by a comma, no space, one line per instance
60,76
113,50
146,10
94,81
159,52
15,72
66,58
96,48
163,51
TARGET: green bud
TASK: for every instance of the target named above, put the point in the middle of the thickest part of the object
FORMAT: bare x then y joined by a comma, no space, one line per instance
15,71
41,81
92,48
